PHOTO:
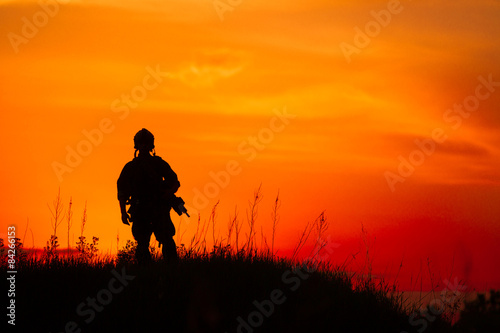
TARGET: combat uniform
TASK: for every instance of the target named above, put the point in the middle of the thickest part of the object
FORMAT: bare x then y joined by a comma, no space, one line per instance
148,183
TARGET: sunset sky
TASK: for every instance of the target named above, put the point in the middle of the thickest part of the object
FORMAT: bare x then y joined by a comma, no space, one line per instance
383,114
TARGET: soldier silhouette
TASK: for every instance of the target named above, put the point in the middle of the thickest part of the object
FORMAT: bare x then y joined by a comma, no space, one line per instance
148,184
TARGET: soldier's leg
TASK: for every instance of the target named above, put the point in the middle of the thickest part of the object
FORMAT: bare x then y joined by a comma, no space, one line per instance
169,250
164,231
142,234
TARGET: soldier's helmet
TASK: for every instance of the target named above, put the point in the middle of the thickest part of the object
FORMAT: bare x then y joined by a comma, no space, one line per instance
144,140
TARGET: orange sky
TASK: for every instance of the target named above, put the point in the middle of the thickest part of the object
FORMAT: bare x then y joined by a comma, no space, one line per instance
220,84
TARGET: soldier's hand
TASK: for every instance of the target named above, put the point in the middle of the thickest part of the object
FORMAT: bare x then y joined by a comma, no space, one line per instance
125,218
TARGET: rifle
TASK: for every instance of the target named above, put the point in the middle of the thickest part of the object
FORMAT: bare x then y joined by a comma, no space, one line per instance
178,206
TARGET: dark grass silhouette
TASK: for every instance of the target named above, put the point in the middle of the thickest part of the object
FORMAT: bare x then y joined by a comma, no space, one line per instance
200,294
231,287
203,292
214,292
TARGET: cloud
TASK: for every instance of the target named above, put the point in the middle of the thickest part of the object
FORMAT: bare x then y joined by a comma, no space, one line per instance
210,66
405,142
463,148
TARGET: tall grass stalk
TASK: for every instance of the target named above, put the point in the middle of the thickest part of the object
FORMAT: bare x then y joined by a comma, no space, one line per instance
252,218
69,215
57,212
275,219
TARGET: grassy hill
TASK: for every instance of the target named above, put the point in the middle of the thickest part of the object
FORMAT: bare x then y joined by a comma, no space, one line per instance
202,293
232,288
218,292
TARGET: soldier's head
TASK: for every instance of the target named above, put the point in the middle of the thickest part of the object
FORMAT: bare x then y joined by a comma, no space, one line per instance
144,141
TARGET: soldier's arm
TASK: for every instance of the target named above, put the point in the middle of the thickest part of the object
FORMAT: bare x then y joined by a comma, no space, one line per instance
170,178
124,190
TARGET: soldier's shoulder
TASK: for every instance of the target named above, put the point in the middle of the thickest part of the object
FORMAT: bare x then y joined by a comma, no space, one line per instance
158,159
132,162
162,163
128,169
